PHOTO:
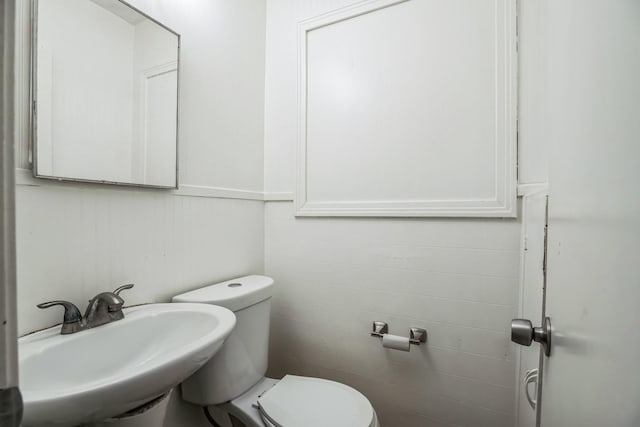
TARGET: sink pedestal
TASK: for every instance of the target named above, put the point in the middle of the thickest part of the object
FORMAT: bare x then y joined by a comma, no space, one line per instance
148,415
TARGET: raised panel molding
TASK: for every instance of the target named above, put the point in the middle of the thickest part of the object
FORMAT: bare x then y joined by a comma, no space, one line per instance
499,201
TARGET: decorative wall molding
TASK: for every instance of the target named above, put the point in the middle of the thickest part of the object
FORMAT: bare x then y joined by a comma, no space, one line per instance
217,192
528,189
278,196
335,202
24,177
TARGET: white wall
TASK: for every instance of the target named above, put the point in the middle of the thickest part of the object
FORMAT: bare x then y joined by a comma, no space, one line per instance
75,240
534,76
457,278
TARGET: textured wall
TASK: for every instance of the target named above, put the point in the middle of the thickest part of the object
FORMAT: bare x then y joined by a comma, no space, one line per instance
456,278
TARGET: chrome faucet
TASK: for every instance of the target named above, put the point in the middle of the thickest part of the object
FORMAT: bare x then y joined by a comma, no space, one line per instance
104,308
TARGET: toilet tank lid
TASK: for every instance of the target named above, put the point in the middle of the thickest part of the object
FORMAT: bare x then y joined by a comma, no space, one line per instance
234,294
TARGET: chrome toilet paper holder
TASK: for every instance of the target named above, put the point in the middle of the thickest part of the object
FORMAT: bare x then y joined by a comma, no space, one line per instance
416,335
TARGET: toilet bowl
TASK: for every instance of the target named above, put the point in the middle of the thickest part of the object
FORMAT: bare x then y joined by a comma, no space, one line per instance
301,401
233,380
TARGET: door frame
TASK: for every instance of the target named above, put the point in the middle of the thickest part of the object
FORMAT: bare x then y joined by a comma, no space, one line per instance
531,289
9,394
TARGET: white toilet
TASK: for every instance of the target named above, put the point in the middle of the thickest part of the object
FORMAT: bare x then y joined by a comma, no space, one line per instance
234,378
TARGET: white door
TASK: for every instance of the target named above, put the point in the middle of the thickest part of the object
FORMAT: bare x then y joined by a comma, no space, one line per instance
592,377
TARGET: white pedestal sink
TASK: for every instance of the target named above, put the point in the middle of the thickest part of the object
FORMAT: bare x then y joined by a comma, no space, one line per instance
102,372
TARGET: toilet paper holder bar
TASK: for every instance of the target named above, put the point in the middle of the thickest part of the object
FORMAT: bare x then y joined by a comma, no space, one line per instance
416,335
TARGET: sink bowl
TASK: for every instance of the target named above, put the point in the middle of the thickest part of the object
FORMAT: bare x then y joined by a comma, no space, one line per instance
105,371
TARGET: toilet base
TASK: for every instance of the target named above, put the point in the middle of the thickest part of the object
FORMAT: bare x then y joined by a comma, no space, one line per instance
243,408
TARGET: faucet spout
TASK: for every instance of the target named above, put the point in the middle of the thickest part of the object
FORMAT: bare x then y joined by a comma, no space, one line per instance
103,308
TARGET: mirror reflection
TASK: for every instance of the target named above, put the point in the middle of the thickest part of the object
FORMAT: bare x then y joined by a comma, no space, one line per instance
105,89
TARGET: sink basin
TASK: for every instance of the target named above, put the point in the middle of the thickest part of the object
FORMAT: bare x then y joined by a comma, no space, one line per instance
105,371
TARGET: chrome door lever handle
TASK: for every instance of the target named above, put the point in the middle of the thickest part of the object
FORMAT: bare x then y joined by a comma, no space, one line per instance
523,333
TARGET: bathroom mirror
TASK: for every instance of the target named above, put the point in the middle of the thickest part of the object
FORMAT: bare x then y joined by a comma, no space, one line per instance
105,92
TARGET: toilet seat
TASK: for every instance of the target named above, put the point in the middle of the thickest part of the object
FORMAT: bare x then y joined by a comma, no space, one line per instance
313,402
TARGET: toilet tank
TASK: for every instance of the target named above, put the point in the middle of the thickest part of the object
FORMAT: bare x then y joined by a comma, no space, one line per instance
242,360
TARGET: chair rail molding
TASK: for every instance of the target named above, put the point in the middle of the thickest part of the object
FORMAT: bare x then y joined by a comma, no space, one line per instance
24,177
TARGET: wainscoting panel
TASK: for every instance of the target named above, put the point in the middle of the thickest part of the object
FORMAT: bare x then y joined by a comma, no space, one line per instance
408,108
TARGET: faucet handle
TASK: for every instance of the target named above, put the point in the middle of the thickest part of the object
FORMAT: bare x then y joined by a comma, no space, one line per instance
72,321
122,288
